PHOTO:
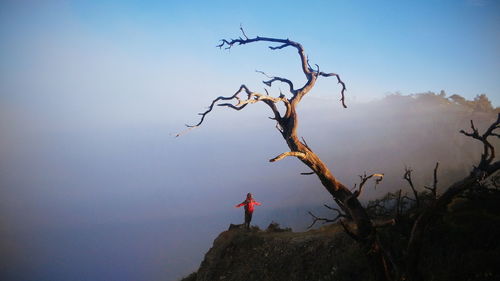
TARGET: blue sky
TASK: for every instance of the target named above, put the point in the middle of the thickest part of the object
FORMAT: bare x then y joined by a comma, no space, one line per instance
377,46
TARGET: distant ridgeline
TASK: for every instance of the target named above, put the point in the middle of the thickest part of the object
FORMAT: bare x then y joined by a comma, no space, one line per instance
480,103
384,136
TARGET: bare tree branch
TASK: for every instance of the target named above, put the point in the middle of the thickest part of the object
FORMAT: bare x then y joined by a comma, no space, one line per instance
310,74
429,214
326,220
339,215
316,219
488,154
243,31
280,79
364,178
228,44
433,189
286,154
407,177
339,81
252,97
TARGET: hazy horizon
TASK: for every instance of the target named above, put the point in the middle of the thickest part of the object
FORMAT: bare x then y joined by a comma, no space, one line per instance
120,206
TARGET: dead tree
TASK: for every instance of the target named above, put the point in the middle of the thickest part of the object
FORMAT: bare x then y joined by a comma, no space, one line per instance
407,177
287,122
364,231
486,163
429,210
485,167
316,219
433,189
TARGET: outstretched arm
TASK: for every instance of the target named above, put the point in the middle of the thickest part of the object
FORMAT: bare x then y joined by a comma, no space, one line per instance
257,203
241,204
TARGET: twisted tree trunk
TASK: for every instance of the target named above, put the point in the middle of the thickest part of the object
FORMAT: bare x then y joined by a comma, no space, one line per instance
287,123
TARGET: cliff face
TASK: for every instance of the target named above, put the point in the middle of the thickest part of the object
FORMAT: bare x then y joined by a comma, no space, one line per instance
274,254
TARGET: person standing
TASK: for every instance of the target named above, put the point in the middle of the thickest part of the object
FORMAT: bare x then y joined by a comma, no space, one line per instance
249,204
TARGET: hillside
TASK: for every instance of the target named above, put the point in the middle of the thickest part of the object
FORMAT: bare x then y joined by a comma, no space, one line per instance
459,246
275,254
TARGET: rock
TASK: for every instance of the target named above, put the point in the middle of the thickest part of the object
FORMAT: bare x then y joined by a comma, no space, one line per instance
241,255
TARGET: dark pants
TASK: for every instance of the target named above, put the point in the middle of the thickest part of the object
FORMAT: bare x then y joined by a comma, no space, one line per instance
248,218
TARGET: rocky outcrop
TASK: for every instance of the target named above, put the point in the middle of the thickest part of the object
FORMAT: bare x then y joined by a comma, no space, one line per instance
277,254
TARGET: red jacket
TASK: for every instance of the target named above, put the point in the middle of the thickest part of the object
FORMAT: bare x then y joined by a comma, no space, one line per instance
249,205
